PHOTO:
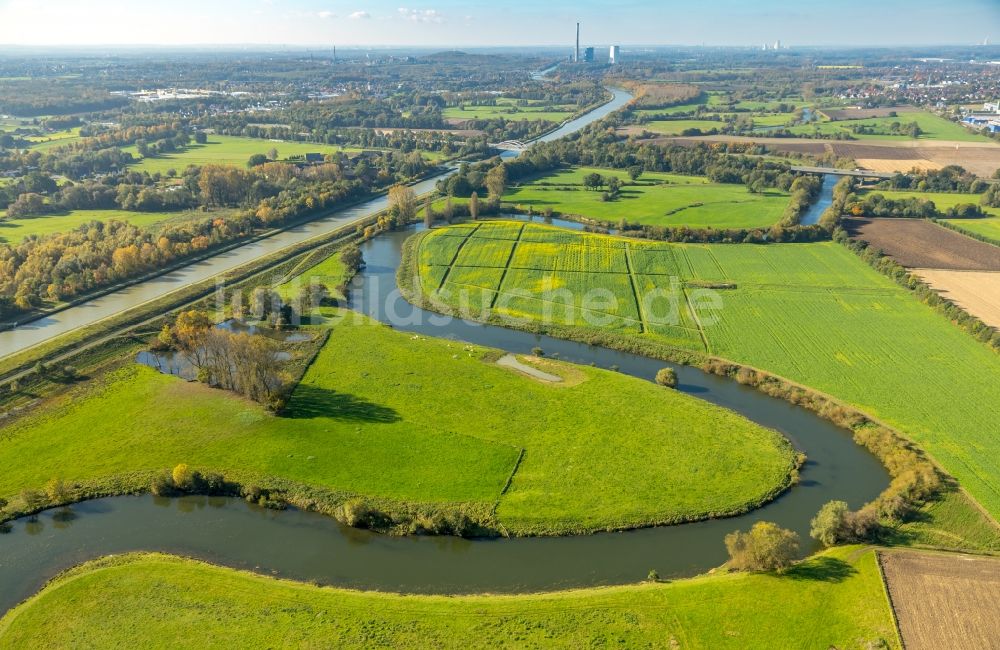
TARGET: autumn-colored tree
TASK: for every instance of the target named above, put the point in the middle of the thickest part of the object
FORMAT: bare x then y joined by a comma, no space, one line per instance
496,182
765,547
182,476
57,491
403,202
474,206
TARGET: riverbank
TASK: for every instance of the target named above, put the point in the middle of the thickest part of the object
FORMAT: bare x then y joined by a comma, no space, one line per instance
835,599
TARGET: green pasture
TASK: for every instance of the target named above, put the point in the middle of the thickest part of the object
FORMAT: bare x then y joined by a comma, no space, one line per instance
835,599
235,150
933,127
813,313
656,199
372,416
13,231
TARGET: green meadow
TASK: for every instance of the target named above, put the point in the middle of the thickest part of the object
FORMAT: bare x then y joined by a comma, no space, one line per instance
372,416
835,599
989,227
508,110
13,231
933,127
813,313
235,150
677,127
656,199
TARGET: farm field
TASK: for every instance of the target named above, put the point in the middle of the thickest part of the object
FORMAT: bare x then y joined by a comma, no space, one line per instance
677,127
989,227
507,109
234,150
933,127
371,416
942,200
656,199
833,600
943,599
978,292
979,157
917,243
813,313
13,231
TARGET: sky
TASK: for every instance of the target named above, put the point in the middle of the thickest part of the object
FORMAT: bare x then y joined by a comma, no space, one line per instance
466,23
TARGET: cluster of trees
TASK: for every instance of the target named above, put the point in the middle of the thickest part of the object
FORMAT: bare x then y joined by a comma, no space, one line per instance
600,148
914,480
952,178
64,265
909,129
805,191
244,363
878,205
55,96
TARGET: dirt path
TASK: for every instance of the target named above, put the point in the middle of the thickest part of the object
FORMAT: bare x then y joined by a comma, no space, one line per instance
512,362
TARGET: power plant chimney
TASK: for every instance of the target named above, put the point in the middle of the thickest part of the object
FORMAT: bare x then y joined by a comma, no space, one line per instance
576,54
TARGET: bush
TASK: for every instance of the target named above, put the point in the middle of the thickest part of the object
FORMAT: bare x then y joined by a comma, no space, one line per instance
358,513
829,524
667,377
33,501
57,491
162,485
766,547
184,478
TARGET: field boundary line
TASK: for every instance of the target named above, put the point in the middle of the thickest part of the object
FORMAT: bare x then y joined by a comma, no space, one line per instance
506,488
697,321
454,258
888,597
506,267
643,327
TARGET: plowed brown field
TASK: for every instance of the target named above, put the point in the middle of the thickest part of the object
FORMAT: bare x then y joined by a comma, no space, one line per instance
944,602
916,243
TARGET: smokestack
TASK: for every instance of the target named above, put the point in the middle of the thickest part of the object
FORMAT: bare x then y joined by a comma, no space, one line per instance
576,55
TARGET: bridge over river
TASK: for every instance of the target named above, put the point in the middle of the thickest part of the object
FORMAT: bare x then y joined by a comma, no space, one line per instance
857,173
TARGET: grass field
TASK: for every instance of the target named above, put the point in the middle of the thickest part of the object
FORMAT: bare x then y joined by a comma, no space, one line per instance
156,601
933,127
234,150
989,227
676,127
942,200
813,313
507,109
372,416
329,271
13,231
657,199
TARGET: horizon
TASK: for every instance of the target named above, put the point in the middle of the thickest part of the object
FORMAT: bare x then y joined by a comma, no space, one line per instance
381,24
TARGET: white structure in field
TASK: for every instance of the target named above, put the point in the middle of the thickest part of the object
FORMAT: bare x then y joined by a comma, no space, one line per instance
614,54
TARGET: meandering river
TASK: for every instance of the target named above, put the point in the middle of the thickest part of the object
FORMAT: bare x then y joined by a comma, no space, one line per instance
313,547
